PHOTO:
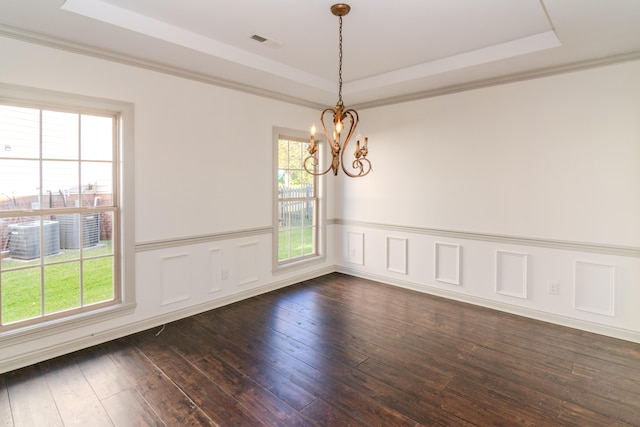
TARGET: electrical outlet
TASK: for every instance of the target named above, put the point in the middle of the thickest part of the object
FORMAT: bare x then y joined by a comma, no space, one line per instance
225,273
553,288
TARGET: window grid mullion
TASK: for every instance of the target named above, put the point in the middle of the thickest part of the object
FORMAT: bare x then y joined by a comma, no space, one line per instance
81,215
296,199
289,203
43,264
41,228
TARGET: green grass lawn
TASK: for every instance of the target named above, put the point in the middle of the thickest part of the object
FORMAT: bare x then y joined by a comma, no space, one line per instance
21,283
295,242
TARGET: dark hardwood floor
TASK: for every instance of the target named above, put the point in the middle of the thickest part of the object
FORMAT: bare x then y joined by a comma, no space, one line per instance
336,351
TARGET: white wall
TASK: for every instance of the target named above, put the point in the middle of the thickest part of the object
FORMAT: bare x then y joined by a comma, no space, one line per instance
548,168
549,159
555,157
203,194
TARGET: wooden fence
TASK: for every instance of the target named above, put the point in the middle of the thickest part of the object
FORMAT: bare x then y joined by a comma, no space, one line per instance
295,205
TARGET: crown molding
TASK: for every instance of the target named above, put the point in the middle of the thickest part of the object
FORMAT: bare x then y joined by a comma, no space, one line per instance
497,81
86,50
81,49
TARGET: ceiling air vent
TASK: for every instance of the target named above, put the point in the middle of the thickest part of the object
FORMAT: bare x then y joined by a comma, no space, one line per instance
258,38
266,41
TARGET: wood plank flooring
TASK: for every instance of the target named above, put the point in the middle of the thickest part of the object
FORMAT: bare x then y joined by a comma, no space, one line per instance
336,351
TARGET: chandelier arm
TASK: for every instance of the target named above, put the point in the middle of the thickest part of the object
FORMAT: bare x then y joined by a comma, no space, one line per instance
314,162
332,141
334,150
352,127
324,128
358,162
355,120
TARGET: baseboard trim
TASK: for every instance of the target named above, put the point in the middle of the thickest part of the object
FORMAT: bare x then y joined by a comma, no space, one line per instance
21,360
599,248
610,331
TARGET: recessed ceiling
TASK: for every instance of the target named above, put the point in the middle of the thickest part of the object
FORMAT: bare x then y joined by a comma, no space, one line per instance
392,50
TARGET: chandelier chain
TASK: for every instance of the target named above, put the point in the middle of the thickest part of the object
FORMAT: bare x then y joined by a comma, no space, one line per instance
340,65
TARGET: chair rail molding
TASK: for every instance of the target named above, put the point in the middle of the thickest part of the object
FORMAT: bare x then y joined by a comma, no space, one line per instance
599,248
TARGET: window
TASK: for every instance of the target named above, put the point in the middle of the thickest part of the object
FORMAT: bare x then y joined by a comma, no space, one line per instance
297,202
59,213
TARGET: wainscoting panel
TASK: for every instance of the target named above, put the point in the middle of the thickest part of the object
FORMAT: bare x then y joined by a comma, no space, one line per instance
355,248
397,254
216,269
594,288
447,263
511,274
248,263
599,293
173,279
176,278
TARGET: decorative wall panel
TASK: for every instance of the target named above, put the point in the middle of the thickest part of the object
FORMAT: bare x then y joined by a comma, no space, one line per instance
447,263
175,278
215,258
594,287
397,254
506,273
355,248
248,263
511,274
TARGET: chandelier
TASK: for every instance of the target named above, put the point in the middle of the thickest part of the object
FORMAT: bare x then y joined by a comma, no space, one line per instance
360,165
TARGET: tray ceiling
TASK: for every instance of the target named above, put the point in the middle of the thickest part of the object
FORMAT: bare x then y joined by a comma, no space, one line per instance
392,50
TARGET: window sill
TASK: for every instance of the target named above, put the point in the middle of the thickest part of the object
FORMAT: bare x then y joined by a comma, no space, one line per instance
299,264
57,326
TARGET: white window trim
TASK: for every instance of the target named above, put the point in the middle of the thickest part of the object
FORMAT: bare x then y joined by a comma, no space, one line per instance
320,257
40,97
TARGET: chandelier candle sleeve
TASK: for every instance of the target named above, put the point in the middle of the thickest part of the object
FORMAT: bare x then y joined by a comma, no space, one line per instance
360,166
313,147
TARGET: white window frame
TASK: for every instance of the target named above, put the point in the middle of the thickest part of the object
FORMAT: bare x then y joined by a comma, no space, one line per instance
125,262
319,256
